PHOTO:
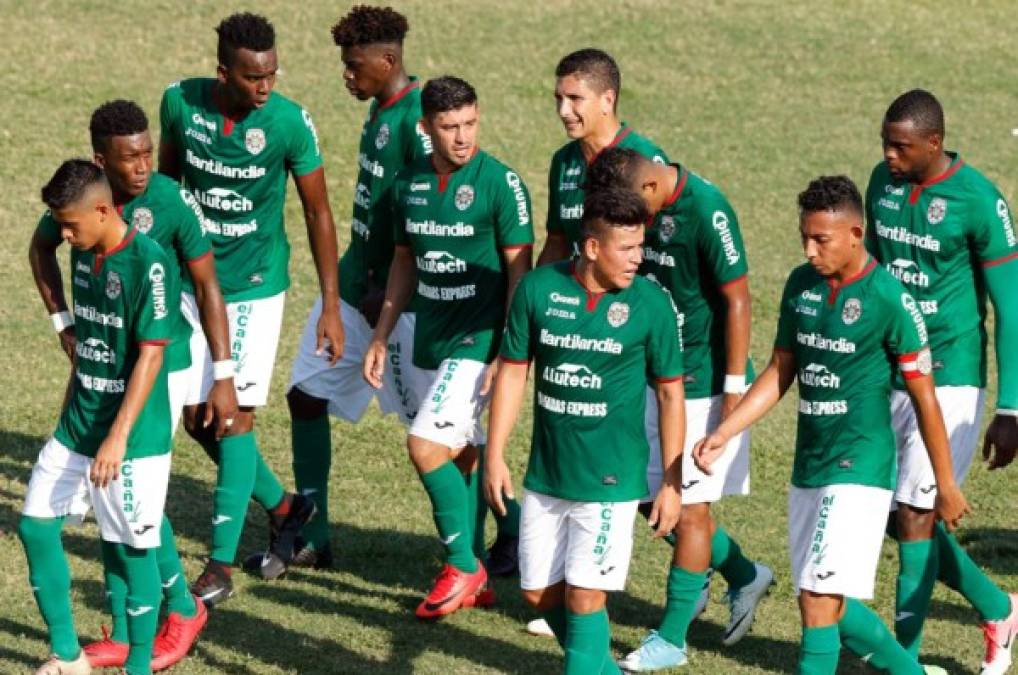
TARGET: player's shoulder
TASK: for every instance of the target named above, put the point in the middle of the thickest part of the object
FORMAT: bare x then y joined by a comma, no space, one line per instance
651,291
147,256
704,194
973,183
568,152
284,107
496,171
189,90
162,187
802,278
885,285
644,145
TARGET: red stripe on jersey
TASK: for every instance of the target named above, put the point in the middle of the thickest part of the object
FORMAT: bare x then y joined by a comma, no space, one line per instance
917,190
1000,261
735,280
592,298
157,343
392,100
204,255
515,362
911,374
679,185
908,358
100,259
851,280
666,380
517,247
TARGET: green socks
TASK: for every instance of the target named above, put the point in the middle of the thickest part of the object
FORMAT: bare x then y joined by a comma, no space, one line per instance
682,592
819,652
139,570
556,618
171,575
116,593
477,512
448,494
50,578
917,574
588,644
267,490
959,572
864,633
312,459
726,557
234,483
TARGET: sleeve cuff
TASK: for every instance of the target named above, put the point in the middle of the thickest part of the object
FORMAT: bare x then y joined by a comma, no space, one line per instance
666,380
915,364
732,281
199,258
1000,261
516,247
156,343
515,362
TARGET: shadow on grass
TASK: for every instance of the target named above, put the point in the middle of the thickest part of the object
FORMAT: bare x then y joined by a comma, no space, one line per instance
992,548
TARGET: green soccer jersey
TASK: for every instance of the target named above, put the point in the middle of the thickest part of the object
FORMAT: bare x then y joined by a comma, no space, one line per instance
237,169
457,226
593,358
121,301
170,216
390,140
935,238
568,173
693,249
848,344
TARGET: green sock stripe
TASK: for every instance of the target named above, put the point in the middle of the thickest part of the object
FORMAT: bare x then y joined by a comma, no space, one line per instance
682,591
960,572
448,494
917,575
234,483
726,557
865,634
171,574
50,578
312,460
820,649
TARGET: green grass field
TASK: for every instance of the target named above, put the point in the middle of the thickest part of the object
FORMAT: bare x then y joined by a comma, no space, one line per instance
758,97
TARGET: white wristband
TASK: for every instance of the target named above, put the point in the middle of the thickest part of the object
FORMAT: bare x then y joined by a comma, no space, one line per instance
61,320
1007,412
735,384
223,370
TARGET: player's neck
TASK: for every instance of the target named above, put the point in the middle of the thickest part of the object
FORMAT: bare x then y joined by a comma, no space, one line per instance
937,167
396,84
603,136
227,106
588,277
668,182
112,237
853,269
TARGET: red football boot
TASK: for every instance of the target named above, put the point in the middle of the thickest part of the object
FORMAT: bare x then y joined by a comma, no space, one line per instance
176,637
106,653
452,587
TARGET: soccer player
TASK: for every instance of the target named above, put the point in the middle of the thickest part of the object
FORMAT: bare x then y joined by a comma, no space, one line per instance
232,141
596,333
587,88
694,250
464,236
845,328
111,447
156,206
946,232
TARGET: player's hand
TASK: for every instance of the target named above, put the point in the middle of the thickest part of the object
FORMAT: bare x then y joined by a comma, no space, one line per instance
374,363
707,450
490,373
106,465
951,505
371,305
330,333
497,482
728,403
68,341
1001,441
664,515
221,406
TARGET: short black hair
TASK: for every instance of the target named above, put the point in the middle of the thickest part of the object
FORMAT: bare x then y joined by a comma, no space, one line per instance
595,66
70,182
369,25
116,118
446,93
613,207
920,107
614,167
244,30
830,193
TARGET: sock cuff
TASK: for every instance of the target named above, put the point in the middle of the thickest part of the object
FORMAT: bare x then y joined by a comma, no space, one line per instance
684,578
591,620
238,440
443,474
821,639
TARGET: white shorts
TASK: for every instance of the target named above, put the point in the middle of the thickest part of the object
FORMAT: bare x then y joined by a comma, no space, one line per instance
254,336
129,510
343,384
834,538
731,470
588,544
451,407
962,408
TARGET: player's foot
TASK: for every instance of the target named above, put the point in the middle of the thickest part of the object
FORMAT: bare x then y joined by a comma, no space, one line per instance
482,599
309,557
284,531
701,602
999,636
452,587
176,637
654,653
269,566
540,628
214,585
504,556
743,602
106,653
55,666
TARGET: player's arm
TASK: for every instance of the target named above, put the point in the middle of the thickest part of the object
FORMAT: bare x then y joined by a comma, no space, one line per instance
325,251
765,393
556,247
737,322
169,158
951,504
1001,442
106,466
398,291
42,256
510,387
671,418
518,261
222,399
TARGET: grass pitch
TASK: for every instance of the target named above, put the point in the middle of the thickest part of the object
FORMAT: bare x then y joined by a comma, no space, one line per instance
758,97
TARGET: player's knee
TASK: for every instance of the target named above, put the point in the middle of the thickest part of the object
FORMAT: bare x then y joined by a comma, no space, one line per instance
913,523
304,406
467,460
426,455
694,518
37,531
585,600
536,599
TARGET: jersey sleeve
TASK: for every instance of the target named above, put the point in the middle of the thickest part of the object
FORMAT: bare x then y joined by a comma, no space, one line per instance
169,113
303,154
992,230
190,235
785,337
869,208
516,345
418,143
906,336
153,323
664,348
47,229
514,224
553,224
720,240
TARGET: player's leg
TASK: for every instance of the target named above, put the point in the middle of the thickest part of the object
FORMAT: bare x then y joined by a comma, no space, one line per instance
544,538
820,648
56,489
186,616
588,633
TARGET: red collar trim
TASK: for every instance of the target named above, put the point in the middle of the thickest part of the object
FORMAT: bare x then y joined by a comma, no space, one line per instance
917,190
100,259
836,289
392,100
120,209
680,185
443,178
622,133
592,298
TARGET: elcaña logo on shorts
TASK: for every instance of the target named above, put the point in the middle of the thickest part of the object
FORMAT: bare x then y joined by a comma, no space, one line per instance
601,546
618,314
819,548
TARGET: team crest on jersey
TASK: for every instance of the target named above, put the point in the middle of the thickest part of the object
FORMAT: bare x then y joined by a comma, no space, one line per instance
936,211
142,219
666,229
254,141
618,314
113,285
851,312
464,197
382,139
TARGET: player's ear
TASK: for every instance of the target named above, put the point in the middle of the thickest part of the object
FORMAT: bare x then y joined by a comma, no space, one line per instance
590,249
99,160
608,102
935,142
221,73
